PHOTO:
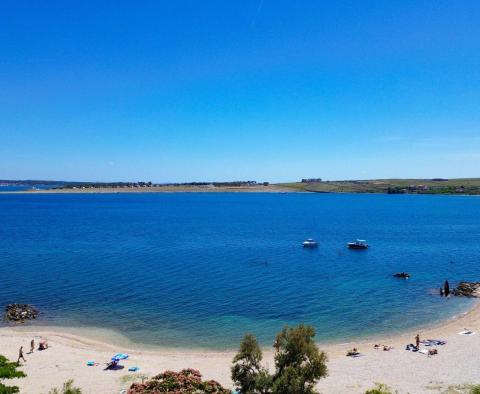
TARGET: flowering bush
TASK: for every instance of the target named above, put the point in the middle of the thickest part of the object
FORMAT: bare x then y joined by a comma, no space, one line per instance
187,381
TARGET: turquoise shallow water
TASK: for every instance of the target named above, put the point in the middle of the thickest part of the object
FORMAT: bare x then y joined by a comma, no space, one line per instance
201,269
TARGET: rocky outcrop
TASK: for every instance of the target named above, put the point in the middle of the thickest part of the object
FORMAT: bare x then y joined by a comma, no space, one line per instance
467,289
404,275
20,312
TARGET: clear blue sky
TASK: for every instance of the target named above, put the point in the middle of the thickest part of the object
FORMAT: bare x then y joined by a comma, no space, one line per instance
226,90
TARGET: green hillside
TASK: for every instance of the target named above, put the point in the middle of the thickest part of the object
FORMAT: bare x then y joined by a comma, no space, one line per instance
392,186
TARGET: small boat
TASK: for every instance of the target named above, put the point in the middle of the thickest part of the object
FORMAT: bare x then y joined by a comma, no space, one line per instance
358,244
310,243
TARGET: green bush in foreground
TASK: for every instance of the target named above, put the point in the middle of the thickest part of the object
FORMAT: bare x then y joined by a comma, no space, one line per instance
8,370
475,389
67,389
379,388
299,364
187,381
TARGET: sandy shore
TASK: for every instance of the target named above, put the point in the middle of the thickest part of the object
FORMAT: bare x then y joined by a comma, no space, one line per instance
405,371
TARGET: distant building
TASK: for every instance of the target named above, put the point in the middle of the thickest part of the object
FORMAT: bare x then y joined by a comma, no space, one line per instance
311,180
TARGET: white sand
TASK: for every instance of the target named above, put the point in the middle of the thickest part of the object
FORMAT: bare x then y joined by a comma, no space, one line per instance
407,372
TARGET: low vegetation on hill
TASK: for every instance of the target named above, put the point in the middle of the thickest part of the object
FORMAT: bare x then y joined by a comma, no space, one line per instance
391,186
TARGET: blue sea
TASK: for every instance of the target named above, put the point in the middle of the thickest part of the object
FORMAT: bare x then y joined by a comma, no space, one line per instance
202,269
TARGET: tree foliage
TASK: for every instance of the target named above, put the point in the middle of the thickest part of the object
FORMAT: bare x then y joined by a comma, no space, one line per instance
247,371
299,364
8,370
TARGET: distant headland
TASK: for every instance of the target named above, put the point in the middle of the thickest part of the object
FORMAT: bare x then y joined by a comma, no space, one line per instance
465,186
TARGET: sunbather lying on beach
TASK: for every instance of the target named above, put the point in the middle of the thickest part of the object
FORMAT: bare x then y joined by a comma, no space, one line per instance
385,347
111,365
411,347
354,352
43,345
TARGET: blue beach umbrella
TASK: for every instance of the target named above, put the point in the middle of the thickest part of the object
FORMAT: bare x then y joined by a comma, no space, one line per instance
120,356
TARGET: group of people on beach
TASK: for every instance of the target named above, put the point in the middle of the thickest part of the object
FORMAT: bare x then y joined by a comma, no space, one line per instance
413,347
385,347
426,342
43,345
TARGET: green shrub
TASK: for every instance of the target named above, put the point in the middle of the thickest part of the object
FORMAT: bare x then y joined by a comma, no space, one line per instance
186,381
67,389
379,388
475,389
8,370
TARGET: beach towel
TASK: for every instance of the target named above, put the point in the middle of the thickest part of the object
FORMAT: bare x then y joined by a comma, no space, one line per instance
411,347
433,342
354,355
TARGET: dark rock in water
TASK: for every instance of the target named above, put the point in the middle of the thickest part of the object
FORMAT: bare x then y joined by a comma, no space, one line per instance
20,312
404,275
467,289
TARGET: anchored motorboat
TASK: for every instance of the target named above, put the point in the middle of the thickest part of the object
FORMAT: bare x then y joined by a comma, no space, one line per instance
310,243
358,244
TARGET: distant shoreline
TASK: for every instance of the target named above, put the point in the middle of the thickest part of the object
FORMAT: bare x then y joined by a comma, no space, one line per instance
161,189
436,186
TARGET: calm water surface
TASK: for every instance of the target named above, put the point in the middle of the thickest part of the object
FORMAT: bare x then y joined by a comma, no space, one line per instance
190,269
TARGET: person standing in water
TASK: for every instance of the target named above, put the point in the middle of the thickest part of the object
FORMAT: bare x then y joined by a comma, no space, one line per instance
446,288
20,355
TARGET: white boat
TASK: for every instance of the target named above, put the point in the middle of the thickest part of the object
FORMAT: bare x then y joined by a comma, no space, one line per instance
310,243
358,244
